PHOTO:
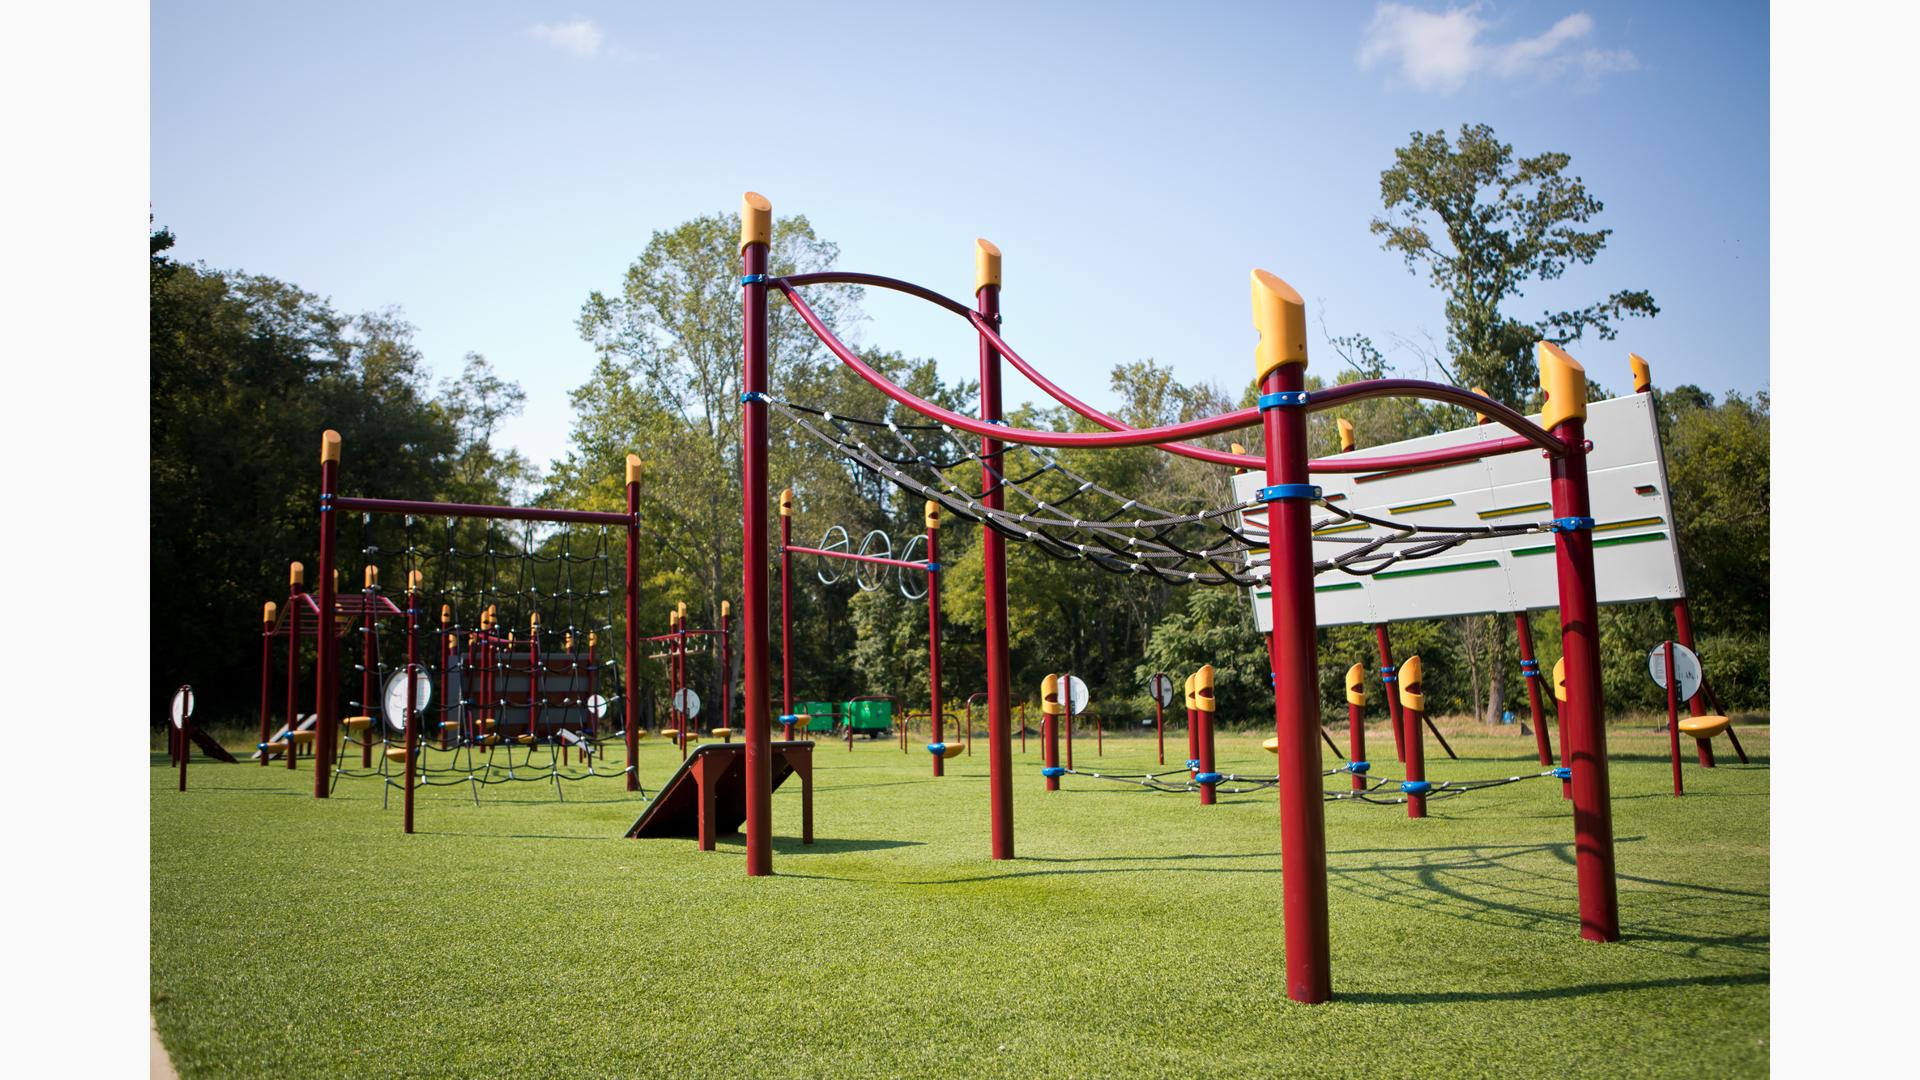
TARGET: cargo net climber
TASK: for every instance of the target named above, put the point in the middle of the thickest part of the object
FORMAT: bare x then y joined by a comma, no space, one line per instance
515,679
1090,523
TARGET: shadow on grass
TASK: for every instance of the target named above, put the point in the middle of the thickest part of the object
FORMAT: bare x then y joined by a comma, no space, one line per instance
1443,997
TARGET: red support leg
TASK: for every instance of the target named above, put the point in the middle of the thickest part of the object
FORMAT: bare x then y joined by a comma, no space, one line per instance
629,692
1565,416
326,665
933,636
1388,673
1413,716
1673,718
1697,704
411,730
295,600
1280,365
1357,719
1530,671
266,677
993,557
756,234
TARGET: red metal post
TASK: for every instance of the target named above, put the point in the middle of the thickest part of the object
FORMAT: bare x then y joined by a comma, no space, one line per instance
938,733
533,676
326,665
1565,385
1280,369
1050,729
1697,704
367,679
1673,718
296,588
1357,719
756,234
1388,673
1159,720
726,664
185,738
1413,707
1530,671
410,731
632,651
1203,703
1066,698
270,613
993,557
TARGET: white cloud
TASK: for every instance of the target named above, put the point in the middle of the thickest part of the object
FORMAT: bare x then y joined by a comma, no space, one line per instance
579,37
1438,52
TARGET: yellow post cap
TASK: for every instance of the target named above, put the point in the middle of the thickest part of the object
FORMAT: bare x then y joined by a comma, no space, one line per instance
726,608
373,576
296,575
1281,318
1560,679
329,445
786,503
633,468
986,264
1564,383
1049,691
1412,694
756,219
593,638
682,609
1346,433
270,612
1357,685
533,620
1642,373
933,515
446,613
1480,417
1203,688
414,578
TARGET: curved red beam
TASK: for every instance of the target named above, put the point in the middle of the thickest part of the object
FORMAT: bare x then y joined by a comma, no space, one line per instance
1445,455
1212,425
1451,395
1527,432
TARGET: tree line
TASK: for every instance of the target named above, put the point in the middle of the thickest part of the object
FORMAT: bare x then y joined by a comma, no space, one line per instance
248,370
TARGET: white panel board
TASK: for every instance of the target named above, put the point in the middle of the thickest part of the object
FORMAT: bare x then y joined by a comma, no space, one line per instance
1634,553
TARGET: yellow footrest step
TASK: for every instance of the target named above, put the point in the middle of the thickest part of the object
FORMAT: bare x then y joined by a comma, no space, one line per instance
1704,727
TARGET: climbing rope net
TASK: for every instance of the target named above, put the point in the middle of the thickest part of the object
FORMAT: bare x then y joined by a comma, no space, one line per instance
1382,791
1091,523
517,675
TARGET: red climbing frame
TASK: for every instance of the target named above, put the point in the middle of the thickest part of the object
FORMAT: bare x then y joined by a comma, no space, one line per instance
1280,366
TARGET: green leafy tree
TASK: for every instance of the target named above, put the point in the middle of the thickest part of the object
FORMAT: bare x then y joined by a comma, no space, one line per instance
1482,225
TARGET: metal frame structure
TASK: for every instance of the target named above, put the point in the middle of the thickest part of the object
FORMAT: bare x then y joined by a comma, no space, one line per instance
936,744
1282,412
327,662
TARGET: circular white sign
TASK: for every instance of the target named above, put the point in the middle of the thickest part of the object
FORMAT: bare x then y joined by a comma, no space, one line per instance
597,705
1161,687
1686,669
1076,694
686,701
394,699
182,705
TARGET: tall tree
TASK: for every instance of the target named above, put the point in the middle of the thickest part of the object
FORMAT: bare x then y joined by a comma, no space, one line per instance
1482,225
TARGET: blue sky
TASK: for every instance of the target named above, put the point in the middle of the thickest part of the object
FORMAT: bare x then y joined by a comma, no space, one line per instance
483,166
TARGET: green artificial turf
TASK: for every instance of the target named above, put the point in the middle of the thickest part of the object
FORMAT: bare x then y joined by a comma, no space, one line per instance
1137,934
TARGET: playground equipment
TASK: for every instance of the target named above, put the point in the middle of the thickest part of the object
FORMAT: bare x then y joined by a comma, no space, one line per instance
707,794
683,702
525,693
1677,670
876,549
1175,548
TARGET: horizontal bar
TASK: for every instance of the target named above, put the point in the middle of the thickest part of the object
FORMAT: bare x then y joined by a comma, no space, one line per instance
856,558
1451,395
474,510
1446,455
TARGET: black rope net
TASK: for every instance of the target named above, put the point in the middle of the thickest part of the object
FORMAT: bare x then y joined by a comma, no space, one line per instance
1094,524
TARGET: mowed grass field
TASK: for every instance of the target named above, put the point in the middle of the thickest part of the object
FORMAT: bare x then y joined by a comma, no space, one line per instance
1137,934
